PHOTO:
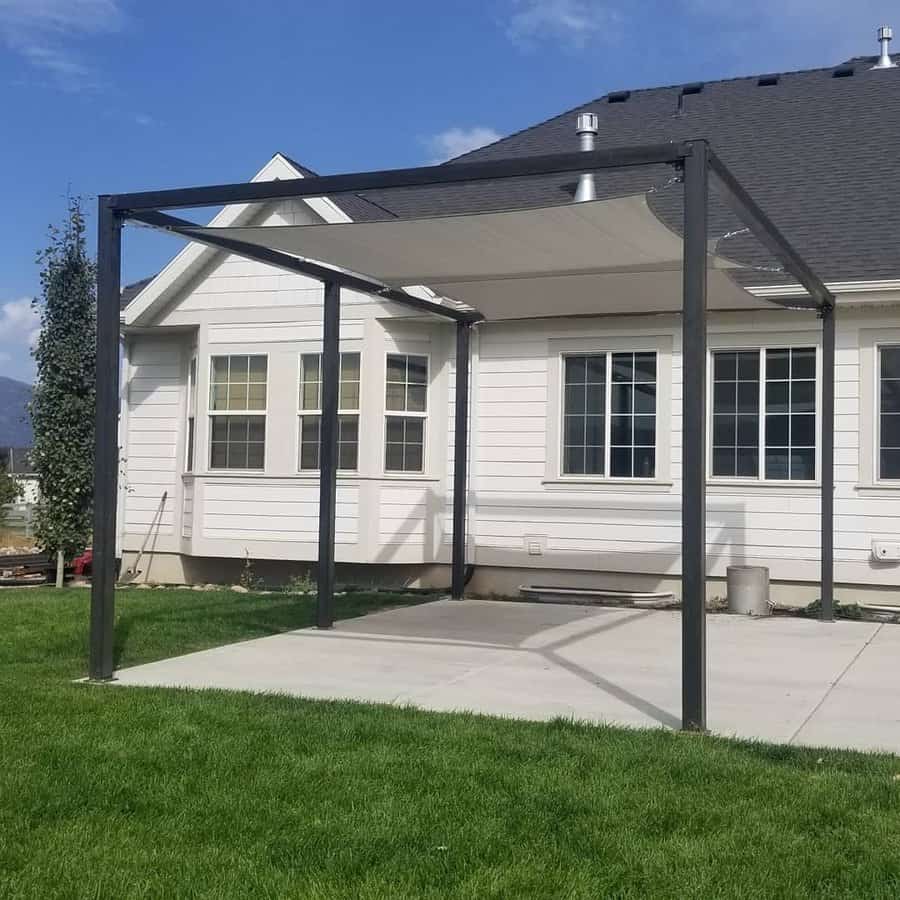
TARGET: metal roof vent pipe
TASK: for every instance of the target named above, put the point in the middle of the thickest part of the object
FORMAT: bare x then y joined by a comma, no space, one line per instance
587,127
885,33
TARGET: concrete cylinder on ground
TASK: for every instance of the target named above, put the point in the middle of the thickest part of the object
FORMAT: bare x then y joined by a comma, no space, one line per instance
748,590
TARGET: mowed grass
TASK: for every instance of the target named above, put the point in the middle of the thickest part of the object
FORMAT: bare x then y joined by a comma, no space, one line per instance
112,792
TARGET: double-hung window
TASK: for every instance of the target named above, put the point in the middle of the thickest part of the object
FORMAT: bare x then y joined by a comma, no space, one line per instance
237,403
609,414
764,414
311,411
406,411
889,413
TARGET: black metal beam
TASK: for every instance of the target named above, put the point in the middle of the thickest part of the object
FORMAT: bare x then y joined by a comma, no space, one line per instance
328,453
749,212
693,452
423,176
460,461
106,441
827,477
183,228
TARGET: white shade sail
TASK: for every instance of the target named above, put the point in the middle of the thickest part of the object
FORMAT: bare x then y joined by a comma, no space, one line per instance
601,257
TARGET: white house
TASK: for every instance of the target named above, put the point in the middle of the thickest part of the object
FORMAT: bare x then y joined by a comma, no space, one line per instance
575,421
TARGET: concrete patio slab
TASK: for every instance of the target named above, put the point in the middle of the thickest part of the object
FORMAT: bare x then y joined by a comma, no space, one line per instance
778,679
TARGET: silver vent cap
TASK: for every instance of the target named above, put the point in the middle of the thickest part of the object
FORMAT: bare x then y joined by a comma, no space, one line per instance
885,34
587,127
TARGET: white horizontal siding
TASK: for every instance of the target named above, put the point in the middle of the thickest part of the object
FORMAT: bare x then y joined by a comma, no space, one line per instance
403,514
513,502
284,511
155,401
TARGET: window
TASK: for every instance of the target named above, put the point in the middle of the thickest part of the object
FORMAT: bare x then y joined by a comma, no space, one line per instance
889,413
237,388
764,409
191,415
609,414
406,391
311,411
735,426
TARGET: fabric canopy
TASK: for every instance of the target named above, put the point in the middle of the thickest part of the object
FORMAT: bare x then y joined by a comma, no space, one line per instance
600,257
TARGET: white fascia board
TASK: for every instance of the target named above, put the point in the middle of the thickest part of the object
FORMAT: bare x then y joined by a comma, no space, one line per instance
836,287
160,291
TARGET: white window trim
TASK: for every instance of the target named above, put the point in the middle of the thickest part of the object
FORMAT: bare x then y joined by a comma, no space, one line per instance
559,348
761,343
301,412
871,340
208,468
400,414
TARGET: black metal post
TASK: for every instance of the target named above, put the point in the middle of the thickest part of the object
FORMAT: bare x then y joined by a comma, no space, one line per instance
106,441
460,461
693,462
328,453
827,513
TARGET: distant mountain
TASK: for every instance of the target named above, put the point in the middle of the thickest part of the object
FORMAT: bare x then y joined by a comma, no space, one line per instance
15,424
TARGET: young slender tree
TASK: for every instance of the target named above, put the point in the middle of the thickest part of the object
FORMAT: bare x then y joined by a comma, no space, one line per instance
9,490
62,405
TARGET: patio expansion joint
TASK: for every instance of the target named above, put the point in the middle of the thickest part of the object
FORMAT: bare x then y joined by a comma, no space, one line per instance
835,683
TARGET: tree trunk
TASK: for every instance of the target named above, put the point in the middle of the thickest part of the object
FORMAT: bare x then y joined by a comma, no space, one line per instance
60,568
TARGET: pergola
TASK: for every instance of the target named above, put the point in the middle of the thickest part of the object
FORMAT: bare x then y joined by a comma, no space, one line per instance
478,260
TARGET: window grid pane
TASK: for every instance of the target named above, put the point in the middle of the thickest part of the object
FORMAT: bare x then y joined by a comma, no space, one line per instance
584,409
238,442
790,414
889,413
632,441
406,384
348,442
238,383
404,444
311,382
735,425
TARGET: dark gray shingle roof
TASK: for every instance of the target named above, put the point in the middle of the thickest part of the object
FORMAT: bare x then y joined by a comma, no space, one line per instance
820,154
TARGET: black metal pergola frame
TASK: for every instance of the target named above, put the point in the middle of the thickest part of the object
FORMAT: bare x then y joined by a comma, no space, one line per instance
695,159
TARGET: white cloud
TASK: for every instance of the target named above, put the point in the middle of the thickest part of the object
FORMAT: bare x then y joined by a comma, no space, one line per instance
18,319
43,32
456,141
143,120
571,23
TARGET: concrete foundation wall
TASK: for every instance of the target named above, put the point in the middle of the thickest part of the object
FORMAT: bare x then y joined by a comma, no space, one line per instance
174,568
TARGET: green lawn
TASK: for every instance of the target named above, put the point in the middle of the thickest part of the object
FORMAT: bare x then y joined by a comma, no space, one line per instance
112,792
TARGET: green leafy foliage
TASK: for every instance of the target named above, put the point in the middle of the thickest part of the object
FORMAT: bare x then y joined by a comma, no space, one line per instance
9,492
62,406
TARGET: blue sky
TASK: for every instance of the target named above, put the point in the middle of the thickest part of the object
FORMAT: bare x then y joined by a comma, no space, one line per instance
114,95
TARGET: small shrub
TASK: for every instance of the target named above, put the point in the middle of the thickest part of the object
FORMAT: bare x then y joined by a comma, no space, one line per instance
841,610
248,578
300,584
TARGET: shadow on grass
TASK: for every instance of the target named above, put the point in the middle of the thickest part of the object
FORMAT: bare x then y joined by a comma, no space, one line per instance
172,623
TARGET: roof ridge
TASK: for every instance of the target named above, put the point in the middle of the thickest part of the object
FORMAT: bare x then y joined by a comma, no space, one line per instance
646,90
